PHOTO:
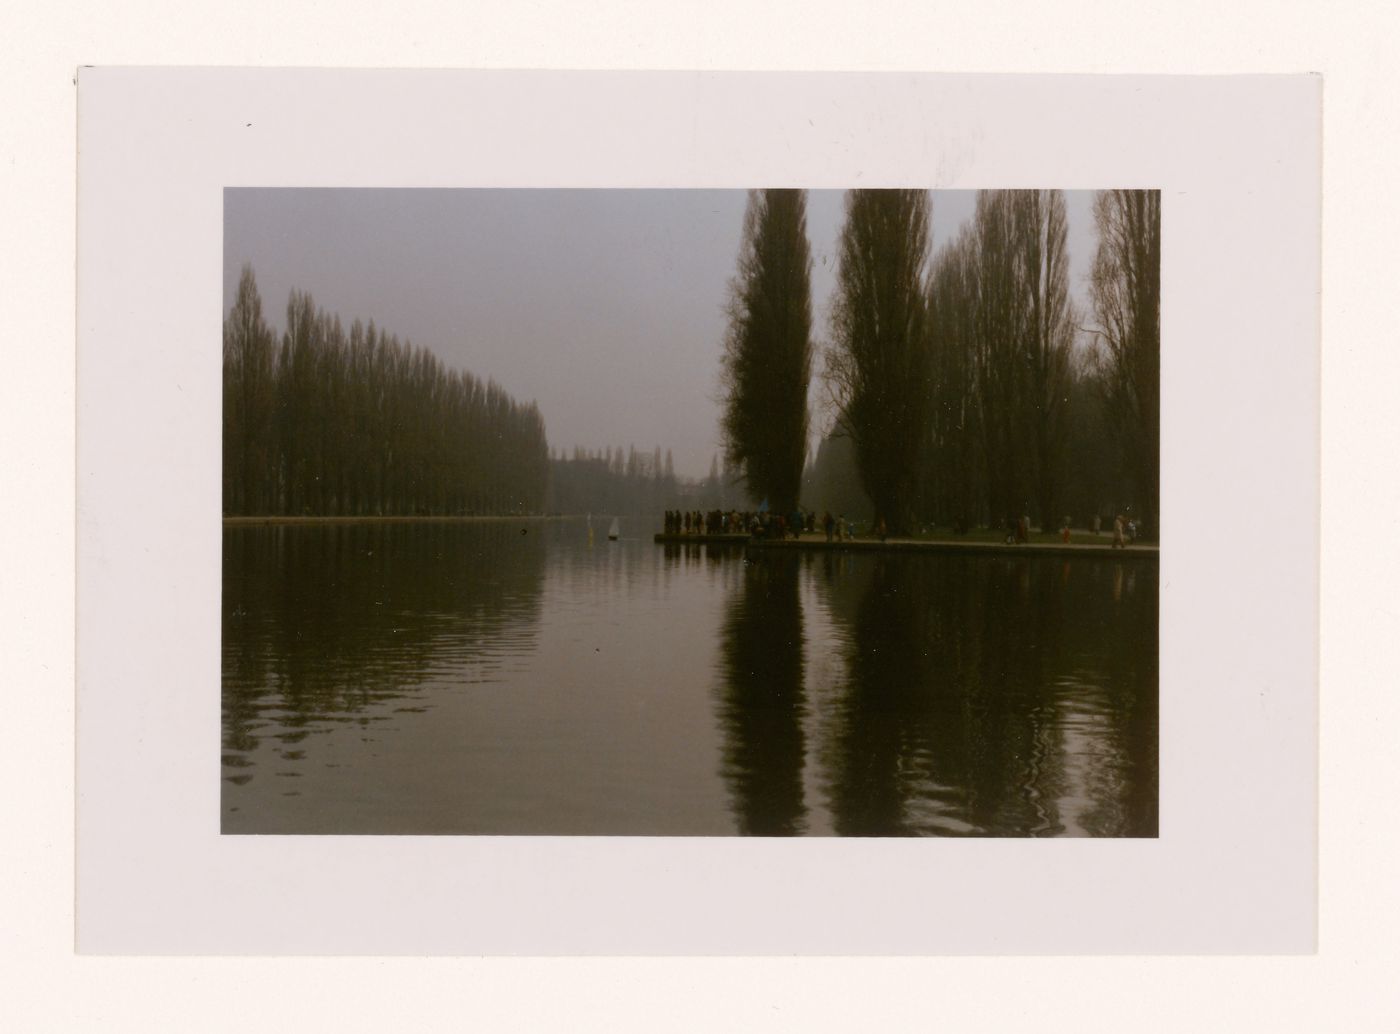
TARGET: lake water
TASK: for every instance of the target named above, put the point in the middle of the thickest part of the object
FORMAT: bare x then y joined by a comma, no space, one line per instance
509,677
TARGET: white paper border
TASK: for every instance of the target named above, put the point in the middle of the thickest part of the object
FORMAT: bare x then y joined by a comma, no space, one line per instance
1234,869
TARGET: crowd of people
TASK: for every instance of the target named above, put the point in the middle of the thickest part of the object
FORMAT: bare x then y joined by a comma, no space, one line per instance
761,524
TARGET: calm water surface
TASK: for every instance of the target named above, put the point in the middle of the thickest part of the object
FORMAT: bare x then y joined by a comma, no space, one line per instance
510,678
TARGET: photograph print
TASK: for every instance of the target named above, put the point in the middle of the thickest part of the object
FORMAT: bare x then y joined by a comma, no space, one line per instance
690,512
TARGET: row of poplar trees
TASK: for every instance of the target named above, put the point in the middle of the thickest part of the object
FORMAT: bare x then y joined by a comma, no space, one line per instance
955,377
325,422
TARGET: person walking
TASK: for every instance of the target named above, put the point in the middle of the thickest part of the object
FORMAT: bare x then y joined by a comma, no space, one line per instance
1118,532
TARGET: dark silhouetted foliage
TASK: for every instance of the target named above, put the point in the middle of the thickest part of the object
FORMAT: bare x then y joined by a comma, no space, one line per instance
879,365
977,407
768,350
1126,291
1023,331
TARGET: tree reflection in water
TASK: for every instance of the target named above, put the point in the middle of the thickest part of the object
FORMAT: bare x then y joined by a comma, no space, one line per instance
760,702
485,677
328,625
994,698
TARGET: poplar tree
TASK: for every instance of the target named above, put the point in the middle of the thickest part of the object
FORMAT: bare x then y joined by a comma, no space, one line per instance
1046,343
879,367
768,349
954,490
1126,293
249,397
999,320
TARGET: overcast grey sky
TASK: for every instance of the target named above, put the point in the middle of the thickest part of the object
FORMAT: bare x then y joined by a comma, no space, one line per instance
604,306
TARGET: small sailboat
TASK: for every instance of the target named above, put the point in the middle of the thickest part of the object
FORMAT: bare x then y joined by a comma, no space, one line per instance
613,531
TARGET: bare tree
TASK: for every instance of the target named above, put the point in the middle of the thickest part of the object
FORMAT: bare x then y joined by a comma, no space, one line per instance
768,349
249,396
954,488
1000,317
1126,292
878,367
1046,345
1023,325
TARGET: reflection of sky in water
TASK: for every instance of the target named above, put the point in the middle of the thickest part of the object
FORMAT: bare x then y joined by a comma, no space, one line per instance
471,678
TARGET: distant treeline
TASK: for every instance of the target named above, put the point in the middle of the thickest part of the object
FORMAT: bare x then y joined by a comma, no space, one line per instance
633,482
325,422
